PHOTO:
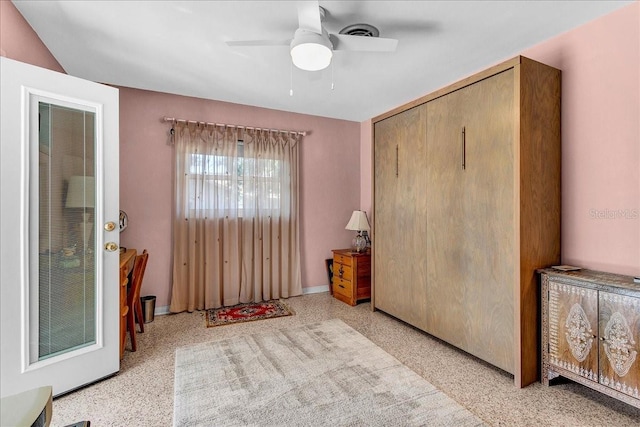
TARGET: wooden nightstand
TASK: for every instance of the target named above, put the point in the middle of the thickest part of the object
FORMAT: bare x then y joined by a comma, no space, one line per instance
351,276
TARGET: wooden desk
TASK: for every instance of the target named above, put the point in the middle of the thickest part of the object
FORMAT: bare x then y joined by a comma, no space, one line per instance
127,259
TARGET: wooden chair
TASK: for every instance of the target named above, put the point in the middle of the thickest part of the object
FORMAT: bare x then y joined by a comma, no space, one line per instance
133,298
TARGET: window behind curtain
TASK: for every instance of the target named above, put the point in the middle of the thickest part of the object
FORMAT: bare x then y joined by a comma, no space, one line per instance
214,170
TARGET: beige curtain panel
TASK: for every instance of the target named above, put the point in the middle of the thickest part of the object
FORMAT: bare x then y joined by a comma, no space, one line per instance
236,222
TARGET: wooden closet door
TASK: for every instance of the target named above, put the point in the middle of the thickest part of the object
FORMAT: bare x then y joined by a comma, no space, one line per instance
445,221
470,215
400,216
491,258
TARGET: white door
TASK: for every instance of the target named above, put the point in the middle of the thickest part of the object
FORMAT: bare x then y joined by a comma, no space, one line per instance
58,191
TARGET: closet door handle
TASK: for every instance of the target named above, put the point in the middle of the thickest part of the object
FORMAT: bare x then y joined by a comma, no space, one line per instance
397,161
464,148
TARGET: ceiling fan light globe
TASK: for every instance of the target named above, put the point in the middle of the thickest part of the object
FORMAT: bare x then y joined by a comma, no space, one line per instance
311,56
311,51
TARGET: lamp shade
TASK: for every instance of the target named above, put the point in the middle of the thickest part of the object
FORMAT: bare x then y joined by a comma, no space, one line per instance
311,51
358,221
81,192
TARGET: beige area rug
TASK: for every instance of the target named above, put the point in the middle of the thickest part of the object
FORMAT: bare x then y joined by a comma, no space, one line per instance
320,374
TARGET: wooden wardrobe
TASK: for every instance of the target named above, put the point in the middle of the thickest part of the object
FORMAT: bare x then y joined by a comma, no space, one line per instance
467,207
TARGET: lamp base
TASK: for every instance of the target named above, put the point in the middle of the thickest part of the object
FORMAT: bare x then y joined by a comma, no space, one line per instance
86,228
359,243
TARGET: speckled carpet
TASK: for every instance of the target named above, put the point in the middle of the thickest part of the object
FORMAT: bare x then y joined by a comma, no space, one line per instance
318,374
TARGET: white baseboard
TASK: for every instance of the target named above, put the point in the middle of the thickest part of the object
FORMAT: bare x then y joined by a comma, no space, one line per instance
159,311
315,289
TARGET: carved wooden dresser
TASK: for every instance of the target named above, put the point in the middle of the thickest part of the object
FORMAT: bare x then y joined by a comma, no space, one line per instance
591,331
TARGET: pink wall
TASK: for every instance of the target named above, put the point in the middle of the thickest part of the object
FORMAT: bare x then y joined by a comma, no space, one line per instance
18,40
366,171
600,64
330,177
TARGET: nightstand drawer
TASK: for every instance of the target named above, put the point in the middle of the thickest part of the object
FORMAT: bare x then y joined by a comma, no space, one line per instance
342,259
343,271
342,287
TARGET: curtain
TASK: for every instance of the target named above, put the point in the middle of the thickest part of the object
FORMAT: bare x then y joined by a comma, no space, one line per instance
236,221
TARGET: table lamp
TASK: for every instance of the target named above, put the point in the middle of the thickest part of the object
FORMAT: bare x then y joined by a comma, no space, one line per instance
358,223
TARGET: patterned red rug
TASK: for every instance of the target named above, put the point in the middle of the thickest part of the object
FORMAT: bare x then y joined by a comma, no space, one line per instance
247,312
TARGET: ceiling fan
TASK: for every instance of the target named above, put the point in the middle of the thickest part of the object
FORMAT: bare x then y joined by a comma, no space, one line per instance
312,46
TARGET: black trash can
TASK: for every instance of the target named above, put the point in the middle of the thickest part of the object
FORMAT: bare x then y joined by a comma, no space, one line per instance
148,308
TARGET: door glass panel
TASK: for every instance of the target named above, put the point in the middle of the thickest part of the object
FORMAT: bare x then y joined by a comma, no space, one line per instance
63,299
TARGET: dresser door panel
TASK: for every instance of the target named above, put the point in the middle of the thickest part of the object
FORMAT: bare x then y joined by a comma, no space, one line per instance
573,325
619,332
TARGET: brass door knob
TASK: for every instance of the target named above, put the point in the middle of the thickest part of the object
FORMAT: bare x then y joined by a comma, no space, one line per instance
110,226
111,246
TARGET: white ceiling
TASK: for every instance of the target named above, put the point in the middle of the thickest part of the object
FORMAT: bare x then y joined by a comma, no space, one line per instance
179,47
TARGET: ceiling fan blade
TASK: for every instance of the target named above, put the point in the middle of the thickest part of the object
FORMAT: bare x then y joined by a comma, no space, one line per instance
309,16
362,43
259,42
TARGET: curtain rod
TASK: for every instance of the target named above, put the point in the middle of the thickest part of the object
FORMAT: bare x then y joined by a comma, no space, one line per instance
174,120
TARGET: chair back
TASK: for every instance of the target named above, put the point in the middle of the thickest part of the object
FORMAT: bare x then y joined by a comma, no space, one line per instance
136,281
